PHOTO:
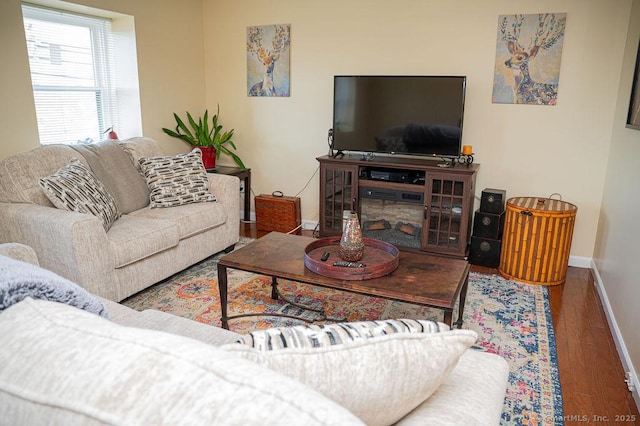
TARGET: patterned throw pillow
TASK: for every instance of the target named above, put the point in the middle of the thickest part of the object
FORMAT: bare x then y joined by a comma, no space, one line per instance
317,336
378,370
178,180
75,188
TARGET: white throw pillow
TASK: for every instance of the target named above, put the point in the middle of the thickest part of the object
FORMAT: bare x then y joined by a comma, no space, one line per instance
379,370
75,188
61,365
177,180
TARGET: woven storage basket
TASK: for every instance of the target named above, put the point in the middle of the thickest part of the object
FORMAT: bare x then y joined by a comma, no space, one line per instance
278,213
537,239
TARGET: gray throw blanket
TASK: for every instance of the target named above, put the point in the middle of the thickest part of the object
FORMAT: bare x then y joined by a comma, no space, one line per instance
19,280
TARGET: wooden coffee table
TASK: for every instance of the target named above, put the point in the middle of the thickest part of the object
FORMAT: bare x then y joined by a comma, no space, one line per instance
422,279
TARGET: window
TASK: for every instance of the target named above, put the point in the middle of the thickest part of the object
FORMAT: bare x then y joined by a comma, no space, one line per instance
72,74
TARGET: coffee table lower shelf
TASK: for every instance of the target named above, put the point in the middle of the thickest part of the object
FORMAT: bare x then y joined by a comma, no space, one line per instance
421,279
275,295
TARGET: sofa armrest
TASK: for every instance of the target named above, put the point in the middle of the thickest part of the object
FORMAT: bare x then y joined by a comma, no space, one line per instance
20,252
73,245
227,190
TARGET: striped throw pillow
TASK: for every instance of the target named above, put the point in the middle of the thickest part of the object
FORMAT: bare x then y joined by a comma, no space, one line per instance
75,188
316,336
175,181
378,370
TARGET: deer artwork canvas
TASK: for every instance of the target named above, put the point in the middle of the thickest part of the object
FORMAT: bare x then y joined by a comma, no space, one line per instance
268,60
528,55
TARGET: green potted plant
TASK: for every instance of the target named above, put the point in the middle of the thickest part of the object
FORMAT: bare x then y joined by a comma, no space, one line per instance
211,140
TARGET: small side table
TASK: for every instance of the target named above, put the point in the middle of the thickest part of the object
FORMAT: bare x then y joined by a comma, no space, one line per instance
245,175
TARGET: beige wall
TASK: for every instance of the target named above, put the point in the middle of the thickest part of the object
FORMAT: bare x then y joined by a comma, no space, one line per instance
17,110
169,38
617,250
527,150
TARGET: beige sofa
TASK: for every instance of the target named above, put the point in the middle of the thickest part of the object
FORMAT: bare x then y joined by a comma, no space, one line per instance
60,365
144,246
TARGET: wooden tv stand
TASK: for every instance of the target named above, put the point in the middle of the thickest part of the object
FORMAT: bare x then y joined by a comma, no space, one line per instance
413,203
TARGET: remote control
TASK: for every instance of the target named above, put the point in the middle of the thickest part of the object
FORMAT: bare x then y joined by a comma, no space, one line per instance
325,256
349,264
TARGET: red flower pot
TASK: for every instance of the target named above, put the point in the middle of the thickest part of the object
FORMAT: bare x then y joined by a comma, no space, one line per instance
208,157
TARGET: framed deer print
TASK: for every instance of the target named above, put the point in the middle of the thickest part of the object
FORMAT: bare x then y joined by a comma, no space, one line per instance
528,55
633,116
268,60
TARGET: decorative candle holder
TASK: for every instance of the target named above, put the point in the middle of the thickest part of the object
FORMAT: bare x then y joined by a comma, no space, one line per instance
351,243
466,159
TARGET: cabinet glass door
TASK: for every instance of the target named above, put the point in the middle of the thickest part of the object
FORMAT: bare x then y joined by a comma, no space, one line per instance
444,213
338,194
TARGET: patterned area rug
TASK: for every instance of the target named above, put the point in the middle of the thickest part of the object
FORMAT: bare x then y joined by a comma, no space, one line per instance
511,319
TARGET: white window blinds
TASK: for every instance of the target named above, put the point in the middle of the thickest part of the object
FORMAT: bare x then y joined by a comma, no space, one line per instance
72,74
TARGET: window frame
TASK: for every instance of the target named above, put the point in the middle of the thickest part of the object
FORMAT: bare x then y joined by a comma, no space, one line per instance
104,87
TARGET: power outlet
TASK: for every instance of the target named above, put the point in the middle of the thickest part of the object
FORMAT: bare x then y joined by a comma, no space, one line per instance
629,381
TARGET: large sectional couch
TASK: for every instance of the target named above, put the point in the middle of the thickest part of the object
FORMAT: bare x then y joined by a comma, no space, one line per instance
143,246
63,365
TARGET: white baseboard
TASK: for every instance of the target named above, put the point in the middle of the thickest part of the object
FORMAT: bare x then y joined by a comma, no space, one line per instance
309,224
623,353
580,261
306,224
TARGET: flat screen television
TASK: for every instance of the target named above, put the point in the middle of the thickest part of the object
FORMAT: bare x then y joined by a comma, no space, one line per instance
415,115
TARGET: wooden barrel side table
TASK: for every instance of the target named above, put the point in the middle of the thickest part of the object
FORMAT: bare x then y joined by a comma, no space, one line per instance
537,240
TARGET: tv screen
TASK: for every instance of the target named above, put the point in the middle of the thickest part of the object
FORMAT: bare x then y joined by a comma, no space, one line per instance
399,114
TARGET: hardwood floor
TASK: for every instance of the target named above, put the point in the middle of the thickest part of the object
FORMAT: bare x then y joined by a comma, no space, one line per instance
591,373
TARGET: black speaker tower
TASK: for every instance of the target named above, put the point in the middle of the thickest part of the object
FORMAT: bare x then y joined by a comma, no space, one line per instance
488,225
492,201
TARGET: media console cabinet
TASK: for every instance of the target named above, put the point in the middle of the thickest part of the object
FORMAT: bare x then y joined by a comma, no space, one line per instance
415,204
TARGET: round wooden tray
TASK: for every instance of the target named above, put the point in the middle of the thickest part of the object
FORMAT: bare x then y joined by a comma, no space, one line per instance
380,258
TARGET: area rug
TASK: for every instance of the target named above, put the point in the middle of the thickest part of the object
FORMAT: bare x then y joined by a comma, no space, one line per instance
512,320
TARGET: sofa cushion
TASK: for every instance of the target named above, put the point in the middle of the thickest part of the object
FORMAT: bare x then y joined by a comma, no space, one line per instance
114,168
140,147
191,219
19,173
379,370
134,238
77,368
176,180
75,188
20,252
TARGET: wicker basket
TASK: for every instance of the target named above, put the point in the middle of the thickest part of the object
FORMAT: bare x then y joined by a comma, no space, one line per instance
278,213
537,240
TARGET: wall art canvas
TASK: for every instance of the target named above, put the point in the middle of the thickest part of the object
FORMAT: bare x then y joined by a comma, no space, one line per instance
633,116
528,55
268,60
